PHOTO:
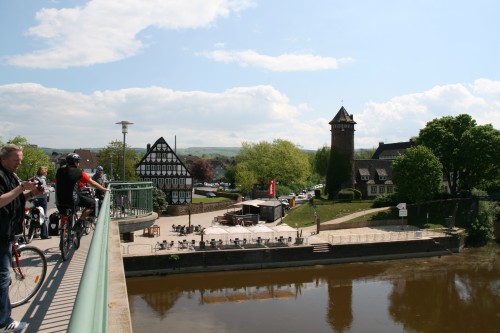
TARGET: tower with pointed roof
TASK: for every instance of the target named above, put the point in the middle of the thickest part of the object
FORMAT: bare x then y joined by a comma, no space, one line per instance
342,128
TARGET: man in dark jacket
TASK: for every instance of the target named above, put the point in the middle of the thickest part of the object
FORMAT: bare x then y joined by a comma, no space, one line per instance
13,196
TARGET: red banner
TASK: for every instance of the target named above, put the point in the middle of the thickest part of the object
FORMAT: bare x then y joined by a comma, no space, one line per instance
270,191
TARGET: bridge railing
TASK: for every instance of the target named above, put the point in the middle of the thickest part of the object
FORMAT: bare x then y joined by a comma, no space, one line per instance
91,308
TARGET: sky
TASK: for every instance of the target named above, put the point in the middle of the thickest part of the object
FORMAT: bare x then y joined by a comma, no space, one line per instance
216,73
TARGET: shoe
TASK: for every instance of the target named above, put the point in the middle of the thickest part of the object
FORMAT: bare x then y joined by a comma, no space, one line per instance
46,237
36,236
15,326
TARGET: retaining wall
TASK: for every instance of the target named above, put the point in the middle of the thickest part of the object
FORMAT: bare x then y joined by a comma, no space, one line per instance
261,258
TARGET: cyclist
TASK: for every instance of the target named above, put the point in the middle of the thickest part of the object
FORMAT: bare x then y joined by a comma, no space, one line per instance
100,178
41,201
69,180
12,200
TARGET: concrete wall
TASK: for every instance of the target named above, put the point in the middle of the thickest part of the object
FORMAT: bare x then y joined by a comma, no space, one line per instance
196,208
241,259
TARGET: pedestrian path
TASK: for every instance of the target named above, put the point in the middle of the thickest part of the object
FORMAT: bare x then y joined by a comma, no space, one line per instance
50,310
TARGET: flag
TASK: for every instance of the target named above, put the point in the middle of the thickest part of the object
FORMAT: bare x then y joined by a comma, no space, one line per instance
270,191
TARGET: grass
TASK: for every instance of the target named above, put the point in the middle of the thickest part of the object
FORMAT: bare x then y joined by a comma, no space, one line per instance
208,200
303,215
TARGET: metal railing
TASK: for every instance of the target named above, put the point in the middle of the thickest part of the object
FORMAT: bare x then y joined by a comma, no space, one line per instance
384,236
131,199
125,200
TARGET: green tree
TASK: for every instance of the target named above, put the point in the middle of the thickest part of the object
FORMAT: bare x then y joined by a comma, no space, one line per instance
339,172
417,175
33,158
481,162
111,158
245,178
230,175
467,152
280,160
321,158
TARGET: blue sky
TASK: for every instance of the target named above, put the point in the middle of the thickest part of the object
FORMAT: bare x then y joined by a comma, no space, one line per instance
218,73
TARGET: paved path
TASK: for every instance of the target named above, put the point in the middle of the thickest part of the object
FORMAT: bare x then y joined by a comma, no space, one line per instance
50,310
144,245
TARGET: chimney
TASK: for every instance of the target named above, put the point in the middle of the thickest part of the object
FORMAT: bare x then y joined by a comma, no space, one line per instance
148,147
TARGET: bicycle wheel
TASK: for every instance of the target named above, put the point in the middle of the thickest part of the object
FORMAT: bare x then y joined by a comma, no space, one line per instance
27,274
87,225
64,242
28,230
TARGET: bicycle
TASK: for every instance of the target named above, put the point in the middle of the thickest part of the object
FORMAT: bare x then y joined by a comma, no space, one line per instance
68,236
31,222
29,268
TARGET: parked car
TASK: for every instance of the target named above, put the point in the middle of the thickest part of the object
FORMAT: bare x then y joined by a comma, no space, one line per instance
210,195
292,195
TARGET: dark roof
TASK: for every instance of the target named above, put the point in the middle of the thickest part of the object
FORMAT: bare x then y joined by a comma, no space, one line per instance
389,151
342,117
374,169
88,159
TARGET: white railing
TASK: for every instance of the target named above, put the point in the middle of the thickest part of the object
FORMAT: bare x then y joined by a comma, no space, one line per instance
384,236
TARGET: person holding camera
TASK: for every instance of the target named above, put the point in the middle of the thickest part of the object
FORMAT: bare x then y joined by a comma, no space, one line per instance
13,196
41,200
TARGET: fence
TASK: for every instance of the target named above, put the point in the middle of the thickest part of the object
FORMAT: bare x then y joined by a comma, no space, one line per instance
385,236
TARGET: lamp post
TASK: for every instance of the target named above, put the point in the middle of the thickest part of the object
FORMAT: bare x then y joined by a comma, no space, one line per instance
124,124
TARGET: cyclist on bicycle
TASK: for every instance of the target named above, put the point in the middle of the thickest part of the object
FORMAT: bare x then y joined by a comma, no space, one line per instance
69,180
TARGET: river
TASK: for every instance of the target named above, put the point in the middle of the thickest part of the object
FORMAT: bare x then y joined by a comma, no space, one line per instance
454,293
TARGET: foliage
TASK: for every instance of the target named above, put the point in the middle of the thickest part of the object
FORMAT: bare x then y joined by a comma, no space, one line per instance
245,178
345,195
280,160
385,200
320,161
339,172
159,200
202,170
364,154
417,174
230,175
469,153
111,158
33,158
480,231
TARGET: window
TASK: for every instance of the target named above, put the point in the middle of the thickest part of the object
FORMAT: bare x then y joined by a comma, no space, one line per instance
373,189
389,189
381,189
365,177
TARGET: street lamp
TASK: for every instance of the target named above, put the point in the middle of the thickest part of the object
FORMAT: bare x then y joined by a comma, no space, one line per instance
124,124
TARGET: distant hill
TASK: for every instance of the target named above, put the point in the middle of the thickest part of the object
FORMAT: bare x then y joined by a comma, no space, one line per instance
194,151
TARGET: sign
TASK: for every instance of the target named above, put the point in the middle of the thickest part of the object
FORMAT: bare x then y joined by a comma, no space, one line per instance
402,206
403,212
271,191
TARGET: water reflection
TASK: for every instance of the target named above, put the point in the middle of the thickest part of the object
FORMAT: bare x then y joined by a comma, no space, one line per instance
459,293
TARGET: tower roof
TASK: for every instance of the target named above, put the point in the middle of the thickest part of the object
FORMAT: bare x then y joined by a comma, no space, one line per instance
342,117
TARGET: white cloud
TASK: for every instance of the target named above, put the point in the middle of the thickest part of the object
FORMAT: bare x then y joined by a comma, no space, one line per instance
61,119
283,63
104,31
402,117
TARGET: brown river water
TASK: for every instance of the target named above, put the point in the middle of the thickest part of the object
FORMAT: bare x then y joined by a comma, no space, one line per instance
455,293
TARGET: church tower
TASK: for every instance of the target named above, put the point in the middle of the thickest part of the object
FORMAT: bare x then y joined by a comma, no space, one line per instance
342,128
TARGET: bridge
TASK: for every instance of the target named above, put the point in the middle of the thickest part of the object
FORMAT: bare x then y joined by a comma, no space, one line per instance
88,293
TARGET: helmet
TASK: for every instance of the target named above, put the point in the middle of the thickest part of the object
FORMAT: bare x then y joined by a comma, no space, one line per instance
72,159
99,168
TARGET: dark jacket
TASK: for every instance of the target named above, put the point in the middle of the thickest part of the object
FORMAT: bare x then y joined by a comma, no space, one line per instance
12,214
67,179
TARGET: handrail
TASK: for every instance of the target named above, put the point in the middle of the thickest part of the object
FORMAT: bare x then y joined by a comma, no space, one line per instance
131,200
91,304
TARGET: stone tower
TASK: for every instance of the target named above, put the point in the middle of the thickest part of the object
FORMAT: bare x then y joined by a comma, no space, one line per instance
342,128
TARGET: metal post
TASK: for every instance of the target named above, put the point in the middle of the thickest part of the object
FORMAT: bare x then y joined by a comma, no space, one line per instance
124,124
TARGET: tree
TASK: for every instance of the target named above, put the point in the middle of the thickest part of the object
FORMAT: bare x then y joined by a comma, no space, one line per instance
245,178
321,159
467,152
230,175
33,158
280,160
339,172
202,170
417,174
111,158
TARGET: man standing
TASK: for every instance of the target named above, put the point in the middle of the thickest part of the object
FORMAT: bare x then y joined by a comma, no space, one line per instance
13,196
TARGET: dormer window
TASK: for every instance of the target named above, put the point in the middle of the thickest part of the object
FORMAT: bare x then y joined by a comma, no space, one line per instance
382,174
364,174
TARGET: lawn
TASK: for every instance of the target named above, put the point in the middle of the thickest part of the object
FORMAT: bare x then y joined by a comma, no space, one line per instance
304,215
208,200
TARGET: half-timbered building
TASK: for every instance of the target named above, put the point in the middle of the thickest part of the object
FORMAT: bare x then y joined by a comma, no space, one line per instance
165,170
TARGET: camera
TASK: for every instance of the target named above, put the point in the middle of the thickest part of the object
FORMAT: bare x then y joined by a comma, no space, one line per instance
39,184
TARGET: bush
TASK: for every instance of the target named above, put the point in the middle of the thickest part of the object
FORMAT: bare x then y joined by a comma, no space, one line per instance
159,200
385,200
480,231
345,195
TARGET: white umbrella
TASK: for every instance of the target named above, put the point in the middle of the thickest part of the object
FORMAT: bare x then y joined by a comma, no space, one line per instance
285,230
239,232
261,231
215,233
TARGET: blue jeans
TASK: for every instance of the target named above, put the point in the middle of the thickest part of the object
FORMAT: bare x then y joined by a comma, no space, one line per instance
5,262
